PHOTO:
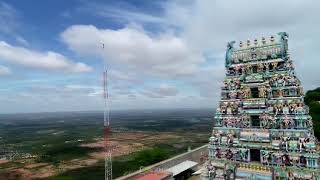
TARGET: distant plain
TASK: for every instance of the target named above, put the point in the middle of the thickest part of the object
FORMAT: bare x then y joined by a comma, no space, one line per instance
69,145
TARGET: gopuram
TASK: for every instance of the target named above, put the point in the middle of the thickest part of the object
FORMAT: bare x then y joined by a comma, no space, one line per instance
262,128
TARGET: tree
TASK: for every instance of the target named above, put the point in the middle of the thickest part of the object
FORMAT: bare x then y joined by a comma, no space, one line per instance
312,99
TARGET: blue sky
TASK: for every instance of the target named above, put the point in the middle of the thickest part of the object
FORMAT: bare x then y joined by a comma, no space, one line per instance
160,54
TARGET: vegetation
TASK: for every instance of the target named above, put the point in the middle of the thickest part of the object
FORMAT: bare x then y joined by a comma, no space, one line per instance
65,152
122,165
95,172
56,137
312,99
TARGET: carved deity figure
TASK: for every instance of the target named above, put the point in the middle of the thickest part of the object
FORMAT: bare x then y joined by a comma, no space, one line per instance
209,170
280,82
285,142
237,69
235,109
274,65
288,65
245,121
229,110
273,122
302,142
266,157
262,92
218,153
233,85
246,93
243,154
229,154
280,93
291,80
237,82
248,69
264,120
309,123
233,94
225,84
266,65
286,122
283,43
216,137
285,159
275,110
290,176
260,67
300,109
229,53
269,91
294,108
300,90
285,109
230,137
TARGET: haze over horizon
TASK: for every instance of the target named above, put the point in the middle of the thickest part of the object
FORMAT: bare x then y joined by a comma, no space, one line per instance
160,54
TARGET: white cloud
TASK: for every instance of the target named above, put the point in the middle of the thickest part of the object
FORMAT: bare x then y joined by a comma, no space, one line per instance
201,27
4,70
44,98
42,60
164,90
132,48
22,41
142,60
8,18
208,25
120,12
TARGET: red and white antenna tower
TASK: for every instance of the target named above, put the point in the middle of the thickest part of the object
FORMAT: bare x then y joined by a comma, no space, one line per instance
107,127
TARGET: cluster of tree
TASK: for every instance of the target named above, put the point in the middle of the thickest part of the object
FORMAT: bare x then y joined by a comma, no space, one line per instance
121,165
140,159
312,99
64,152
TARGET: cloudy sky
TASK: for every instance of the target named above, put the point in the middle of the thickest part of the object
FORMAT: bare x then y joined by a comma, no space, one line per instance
160,54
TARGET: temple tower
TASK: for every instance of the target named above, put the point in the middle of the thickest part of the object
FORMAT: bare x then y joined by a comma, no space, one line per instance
262,129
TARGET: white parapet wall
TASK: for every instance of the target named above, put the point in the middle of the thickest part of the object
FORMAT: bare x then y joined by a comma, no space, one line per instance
193,155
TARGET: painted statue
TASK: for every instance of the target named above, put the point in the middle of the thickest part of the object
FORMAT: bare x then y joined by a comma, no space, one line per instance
264,120
269,91
216,137
262,92
230,137
209,171
243,153
285,142
266,157
245,121
302,143
229,53
286,122
283,43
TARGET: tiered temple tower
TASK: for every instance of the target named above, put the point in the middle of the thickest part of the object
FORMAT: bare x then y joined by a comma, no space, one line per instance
262,127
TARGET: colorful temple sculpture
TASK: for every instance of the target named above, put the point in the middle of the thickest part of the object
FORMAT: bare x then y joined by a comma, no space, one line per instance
262,127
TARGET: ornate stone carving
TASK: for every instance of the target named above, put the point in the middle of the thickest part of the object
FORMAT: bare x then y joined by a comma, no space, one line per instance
263,108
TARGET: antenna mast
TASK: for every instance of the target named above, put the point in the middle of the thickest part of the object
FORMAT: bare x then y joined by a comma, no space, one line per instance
106,124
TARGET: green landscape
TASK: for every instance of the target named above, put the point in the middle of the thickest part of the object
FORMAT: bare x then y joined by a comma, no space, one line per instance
51,147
